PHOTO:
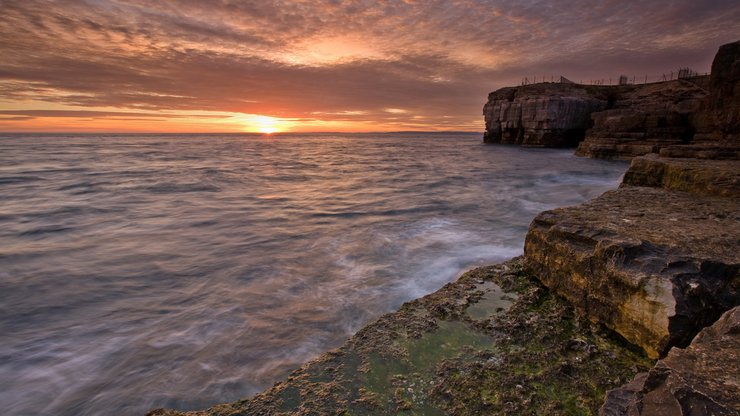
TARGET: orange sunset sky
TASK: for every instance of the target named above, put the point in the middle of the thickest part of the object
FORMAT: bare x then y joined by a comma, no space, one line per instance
278,66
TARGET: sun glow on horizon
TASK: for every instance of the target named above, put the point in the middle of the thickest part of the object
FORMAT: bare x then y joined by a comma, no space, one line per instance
263,124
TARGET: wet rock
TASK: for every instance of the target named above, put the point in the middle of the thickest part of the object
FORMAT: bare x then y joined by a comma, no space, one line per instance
699,380
456,365
653,264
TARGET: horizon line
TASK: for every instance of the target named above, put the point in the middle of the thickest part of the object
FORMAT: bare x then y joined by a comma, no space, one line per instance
238,133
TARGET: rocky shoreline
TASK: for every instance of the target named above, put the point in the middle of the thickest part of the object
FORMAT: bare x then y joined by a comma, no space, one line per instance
650,271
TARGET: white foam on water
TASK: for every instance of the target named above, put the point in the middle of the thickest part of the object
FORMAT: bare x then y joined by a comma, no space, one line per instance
146,290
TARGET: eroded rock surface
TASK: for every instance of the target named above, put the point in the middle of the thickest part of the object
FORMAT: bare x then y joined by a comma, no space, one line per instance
542,115
623,121
655,265
705,151
699,380
700,176
644,119
721,122
493,342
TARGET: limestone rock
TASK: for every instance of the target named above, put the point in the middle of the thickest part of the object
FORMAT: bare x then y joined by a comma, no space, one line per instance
622,121
709,151
699,380
655,265
644,119
651,117
541,115
721,123
711,177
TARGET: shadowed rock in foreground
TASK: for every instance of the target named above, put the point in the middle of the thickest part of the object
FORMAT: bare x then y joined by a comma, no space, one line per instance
699,380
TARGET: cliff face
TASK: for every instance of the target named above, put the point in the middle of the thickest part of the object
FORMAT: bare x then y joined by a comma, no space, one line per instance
541,115
720,123
644,119
621,122
616,121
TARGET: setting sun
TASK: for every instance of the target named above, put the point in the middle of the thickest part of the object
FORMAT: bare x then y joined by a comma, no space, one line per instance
262,124
265,124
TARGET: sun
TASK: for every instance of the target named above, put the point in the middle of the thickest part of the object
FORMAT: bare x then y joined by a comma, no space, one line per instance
265,124
257,123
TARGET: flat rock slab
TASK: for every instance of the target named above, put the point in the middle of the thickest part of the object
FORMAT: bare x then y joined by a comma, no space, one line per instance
702,379
493,342
701,176
655,265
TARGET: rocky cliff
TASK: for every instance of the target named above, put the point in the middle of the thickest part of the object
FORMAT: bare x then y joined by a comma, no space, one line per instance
624,121
720,122
645,118
542,115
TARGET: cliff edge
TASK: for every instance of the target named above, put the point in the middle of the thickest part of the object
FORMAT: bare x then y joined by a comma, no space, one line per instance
623,121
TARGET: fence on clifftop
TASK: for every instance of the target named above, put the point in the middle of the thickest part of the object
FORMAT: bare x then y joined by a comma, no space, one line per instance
681,73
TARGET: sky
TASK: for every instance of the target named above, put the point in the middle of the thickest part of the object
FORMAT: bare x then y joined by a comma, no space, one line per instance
341,66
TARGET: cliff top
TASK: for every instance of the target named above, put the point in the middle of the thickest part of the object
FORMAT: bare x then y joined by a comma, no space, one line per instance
674,89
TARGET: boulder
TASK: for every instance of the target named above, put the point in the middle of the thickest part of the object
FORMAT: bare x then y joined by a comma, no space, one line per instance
655,265
699,380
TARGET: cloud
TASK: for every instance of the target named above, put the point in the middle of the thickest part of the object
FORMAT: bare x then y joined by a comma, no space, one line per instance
335,60
103,114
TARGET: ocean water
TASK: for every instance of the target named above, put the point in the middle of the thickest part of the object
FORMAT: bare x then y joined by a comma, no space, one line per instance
184,271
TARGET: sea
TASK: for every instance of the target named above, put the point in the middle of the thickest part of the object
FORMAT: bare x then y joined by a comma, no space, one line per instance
182,271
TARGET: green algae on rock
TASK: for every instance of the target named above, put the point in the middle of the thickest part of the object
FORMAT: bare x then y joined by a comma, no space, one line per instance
494,341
